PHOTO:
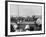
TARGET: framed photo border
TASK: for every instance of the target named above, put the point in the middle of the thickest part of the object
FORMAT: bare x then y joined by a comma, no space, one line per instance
6,18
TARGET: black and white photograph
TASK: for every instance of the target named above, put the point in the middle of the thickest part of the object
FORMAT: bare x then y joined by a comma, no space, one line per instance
25,18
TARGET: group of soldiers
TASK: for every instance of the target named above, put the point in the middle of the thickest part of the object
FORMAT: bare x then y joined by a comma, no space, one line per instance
21,24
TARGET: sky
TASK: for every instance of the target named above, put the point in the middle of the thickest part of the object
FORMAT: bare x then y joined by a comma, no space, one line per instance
25,10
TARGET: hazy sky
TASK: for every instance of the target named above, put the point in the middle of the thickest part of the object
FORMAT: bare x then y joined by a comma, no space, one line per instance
25,10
